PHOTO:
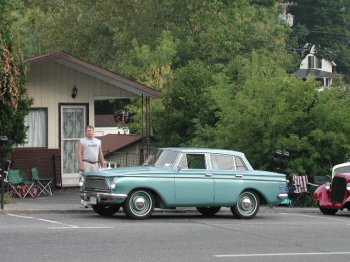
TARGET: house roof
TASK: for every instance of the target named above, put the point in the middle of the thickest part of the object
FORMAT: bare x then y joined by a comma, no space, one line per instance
113,142
304,73
305,50
87,68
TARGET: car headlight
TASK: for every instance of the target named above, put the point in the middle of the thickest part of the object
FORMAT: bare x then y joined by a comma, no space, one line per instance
348,186
81,181
328,185
113,184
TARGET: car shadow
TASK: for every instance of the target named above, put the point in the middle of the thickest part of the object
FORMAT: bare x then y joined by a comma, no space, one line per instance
178,216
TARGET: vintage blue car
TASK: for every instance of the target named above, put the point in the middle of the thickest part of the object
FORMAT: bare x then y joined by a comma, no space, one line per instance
207,179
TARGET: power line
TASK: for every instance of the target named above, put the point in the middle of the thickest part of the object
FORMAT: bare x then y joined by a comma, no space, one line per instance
321,32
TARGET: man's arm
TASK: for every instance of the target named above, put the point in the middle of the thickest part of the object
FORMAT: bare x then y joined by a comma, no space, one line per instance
101,158
80,157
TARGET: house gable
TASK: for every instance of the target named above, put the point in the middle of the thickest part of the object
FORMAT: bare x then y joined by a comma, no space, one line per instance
105,76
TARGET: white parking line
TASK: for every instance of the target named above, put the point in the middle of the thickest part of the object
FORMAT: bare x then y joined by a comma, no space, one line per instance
75,227
285,254
64,226
320,217
18,216
44,220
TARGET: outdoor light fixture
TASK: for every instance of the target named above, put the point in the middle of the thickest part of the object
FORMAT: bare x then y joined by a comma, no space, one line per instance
74,92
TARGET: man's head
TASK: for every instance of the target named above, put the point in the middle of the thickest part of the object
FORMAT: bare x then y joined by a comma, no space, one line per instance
89,132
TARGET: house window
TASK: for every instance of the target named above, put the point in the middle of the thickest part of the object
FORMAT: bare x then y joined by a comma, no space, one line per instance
318,62
311,61
37,131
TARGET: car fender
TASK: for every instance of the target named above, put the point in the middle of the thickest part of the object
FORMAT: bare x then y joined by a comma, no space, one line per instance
319,193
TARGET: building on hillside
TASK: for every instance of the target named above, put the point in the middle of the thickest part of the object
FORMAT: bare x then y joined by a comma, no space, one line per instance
322,69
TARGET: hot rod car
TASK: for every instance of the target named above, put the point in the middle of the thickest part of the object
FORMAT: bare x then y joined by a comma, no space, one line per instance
335,195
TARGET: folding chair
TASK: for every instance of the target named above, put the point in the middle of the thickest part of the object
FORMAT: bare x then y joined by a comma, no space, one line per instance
300,190
19,187
43,184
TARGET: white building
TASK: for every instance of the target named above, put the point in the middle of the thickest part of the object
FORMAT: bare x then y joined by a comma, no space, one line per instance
322,69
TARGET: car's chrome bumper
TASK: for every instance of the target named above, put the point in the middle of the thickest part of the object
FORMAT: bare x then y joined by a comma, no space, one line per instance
85,195
283,196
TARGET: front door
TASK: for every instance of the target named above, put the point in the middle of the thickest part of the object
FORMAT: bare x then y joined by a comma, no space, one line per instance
73,122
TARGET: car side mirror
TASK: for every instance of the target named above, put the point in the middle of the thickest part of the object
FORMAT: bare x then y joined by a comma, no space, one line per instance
179,167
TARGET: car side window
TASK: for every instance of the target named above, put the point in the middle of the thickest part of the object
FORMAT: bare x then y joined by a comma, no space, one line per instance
222,162
196,161
183,162
240,164
193,161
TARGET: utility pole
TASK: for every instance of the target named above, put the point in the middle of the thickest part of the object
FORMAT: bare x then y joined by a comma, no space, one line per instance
286,16
285,6
3,152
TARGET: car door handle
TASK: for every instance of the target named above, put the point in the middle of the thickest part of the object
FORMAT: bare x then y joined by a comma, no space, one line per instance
238,175
211,175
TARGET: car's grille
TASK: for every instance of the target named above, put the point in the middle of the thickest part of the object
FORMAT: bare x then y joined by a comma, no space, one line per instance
338,189
96,183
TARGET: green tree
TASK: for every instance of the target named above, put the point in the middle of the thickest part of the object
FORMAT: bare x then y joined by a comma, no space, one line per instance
98,31
219,32
274,111
14,101
214,40
187,103
152,67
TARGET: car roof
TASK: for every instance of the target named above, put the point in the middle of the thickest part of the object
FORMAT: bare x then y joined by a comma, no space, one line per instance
341,165
338,166
204,150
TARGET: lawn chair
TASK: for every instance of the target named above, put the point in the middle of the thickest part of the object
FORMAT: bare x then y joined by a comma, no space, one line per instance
300,190
43,184
19,187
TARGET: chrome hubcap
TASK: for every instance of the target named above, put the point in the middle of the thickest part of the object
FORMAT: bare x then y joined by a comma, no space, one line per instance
139,203
246,204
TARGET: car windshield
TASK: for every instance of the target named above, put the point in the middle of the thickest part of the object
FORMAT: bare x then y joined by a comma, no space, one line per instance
161,158
344,169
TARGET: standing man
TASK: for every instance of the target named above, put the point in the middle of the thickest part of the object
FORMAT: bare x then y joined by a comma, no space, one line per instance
90,153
